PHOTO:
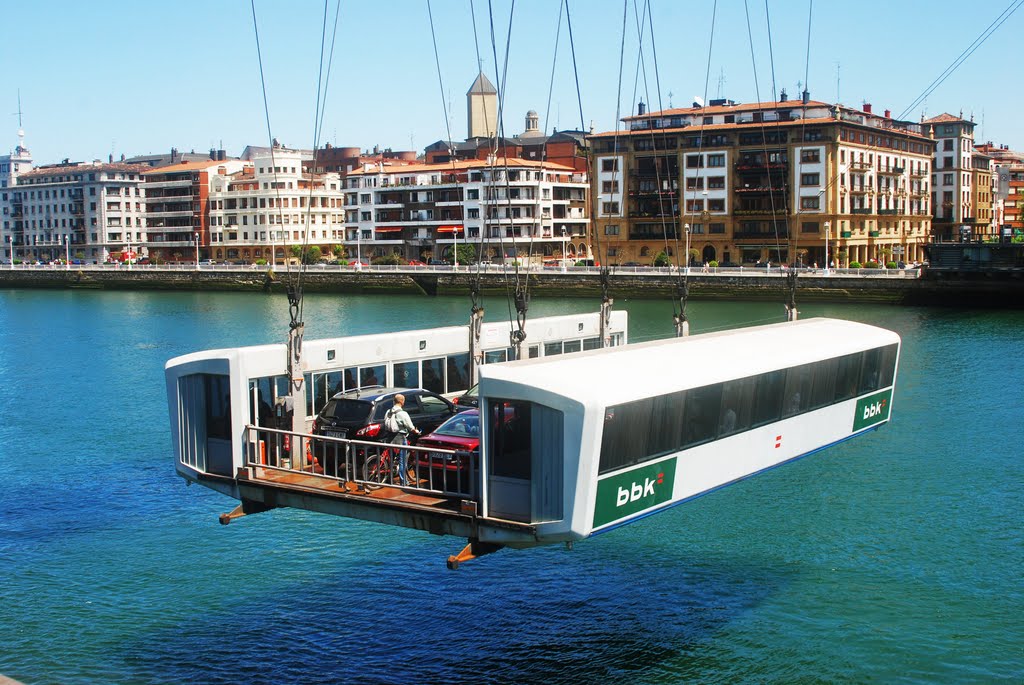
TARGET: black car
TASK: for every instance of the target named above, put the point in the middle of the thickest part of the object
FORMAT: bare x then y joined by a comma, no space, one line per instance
359,414
469,399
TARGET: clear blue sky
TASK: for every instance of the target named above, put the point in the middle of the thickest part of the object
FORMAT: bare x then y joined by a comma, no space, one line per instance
111,76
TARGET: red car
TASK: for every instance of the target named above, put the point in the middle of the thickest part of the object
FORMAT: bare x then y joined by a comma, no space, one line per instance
451,472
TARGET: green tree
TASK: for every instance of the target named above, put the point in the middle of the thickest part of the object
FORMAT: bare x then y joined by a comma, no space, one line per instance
466,254
661,259
393,259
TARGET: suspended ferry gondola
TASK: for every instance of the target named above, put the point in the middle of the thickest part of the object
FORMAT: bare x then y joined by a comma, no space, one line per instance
571,444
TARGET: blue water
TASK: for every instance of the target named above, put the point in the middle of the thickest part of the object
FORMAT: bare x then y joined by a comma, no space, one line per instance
896,557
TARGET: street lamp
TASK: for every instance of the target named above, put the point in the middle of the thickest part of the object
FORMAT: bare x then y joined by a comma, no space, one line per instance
359,248
564,255
197,250
128,254
686,228
455,249
828,231
67,253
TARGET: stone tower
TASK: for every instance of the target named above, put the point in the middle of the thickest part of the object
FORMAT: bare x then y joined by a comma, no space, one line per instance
482,107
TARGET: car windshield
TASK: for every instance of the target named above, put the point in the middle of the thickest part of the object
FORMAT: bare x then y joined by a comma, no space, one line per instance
464,425
347,410
472,392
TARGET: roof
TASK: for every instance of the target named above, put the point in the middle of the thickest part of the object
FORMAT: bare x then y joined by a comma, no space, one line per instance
185,166
631,372
74,167
482,86
739,107
696,129
946,118
461,165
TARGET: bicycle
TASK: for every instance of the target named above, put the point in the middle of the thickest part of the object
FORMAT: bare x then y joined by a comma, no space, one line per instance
382,468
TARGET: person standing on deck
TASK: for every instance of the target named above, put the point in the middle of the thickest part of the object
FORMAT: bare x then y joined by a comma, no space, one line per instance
397,420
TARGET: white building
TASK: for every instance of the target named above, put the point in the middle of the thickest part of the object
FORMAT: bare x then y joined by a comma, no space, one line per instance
11,166
510,207
952,178
271,206
85,210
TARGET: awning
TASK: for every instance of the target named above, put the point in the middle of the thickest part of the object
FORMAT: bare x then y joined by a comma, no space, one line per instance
389,229
451,229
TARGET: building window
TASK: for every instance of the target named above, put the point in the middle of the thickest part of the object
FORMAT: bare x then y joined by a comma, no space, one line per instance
716,205
693,161
695,205
716,228
697,228
810,202
947,179
695,183
812,155
810,179
716,182
809,227
947,145
613,251
716,160
611,229
609,186
609,207
610,164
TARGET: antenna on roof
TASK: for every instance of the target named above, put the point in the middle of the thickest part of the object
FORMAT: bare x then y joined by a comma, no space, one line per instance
670,99
19,109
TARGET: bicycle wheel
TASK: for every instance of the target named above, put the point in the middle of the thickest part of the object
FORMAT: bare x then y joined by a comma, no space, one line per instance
375,470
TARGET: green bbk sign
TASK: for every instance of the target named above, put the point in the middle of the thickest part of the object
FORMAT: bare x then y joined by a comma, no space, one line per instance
632,491
872,409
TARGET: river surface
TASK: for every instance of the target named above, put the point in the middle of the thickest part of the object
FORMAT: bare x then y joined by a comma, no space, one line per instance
894,558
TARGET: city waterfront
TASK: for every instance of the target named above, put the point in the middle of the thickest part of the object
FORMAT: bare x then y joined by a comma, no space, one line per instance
893,557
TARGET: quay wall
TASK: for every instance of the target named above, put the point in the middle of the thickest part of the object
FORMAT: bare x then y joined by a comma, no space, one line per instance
965,289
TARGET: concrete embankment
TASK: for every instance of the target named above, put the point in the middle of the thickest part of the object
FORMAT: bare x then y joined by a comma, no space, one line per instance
978,291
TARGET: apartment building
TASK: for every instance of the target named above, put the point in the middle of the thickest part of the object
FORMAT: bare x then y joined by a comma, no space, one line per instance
11,166
87,210
510,207
953,177
792,181
269,207
178,209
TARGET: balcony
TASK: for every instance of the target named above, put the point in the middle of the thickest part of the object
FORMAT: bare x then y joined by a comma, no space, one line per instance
861,210
755,165
753,190
846,234
891,170
918,173
860,165
859,190
783,234
872,234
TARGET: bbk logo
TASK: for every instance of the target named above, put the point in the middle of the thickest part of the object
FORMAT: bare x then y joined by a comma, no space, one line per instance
637,491
872,410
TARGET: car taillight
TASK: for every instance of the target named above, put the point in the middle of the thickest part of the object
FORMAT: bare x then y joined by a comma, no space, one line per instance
455,400
369,431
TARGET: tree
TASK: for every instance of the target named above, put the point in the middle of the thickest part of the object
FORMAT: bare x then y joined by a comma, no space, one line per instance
339,251
466,254
661,259
311,255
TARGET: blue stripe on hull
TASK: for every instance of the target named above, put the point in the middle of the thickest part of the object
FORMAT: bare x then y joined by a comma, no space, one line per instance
666,507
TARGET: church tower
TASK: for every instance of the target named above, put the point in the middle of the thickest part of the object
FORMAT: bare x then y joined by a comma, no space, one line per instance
482,106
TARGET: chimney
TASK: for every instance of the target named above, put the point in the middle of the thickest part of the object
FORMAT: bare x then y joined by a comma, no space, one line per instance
867,107
174,154
213,154
222,155
805,96
641,108
782,96
888,114
110,158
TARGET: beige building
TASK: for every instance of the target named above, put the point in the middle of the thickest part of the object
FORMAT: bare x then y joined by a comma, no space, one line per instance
782,182
482,108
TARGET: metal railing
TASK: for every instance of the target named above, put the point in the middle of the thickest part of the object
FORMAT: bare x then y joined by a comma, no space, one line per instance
368,465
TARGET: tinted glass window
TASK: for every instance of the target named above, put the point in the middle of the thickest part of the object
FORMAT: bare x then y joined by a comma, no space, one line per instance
407,374
572,346
666,424
458,372
847,376
737,403
592,344
626,432
464,425
510,438
495,356
433,374
552,348
218,407
869,375
700,418
887,365
347,410
798,390
768,397
824,386
372,375
433,405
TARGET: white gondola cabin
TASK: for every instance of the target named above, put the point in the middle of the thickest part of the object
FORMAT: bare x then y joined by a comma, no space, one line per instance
571,444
